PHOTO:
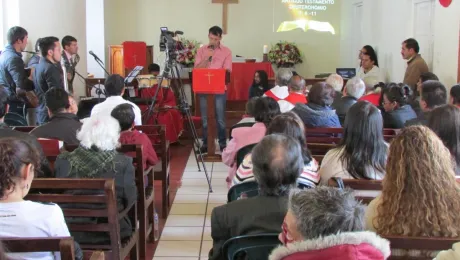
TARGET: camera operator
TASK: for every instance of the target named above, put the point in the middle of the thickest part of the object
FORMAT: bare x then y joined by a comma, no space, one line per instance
214,56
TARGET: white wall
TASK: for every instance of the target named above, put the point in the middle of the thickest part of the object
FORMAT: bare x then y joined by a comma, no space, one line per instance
62,18
9,18
387,23
250,27
95,35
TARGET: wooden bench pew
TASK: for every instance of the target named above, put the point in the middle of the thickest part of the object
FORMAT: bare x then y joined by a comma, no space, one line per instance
145,190
115,250
64,245
24,129
157,135
419,243
365,190
336,131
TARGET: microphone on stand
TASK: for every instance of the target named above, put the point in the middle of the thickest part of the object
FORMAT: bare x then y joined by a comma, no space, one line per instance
99,61
95,57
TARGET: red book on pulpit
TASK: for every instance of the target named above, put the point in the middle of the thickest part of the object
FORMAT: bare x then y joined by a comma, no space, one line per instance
134,54
209,81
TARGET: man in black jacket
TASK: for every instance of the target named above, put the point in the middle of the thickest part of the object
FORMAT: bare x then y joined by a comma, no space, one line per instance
353,91
63,125
277,163
432,95
48,74
12,69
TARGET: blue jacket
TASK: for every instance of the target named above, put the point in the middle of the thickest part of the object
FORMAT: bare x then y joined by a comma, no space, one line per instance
12,71
314,115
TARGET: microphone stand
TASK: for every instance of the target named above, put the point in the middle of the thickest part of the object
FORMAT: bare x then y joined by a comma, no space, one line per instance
102,65
99,91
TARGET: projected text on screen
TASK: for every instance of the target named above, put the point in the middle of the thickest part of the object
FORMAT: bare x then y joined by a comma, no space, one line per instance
290,15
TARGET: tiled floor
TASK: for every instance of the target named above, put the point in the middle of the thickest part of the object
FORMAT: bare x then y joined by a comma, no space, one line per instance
187,232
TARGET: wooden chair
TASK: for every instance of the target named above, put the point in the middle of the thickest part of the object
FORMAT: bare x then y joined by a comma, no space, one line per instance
157,135
320,149
115,250
365,190
419,243
248,188
242,152
252,247
51,149
24,129
64,245
335,132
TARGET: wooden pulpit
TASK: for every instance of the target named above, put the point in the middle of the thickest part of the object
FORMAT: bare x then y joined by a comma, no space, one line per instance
210,82
117,64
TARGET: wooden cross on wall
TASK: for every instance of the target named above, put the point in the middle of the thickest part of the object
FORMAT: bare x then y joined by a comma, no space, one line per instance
225,4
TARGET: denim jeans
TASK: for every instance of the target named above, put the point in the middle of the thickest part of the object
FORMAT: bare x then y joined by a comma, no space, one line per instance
221,100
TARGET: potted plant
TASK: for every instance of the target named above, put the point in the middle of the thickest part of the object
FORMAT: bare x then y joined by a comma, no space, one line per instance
285,55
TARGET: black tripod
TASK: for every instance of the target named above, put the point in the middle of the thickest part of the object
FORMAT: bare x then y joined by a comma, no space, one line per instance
171,71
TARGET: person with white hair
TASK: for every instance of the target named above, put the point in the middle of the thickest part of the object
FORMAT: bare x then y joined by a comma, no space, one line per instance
281,90
297,94
336,81
354,90
97,157
327,223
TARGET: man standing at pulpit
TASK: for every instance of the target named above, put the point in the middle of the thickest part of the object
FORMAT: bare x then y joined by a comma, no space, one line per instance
214,56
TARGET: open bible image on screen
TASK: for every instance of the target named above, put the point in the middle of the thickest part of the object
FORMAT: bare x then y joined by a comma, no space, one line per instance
290,15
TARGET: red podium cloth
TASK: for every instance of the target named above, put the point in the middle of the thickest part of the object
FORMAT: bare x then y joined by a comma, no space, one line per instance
135,54
242,77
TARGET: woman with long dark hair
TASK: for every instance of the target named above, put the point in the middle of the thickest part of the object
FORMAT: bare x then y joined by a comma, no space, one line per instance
445,122
369,64
259,84
362,152
395,101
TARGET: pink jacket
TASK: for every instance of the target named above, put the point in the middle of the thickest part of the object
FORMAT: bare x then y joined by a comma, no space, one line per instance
344,246
242,136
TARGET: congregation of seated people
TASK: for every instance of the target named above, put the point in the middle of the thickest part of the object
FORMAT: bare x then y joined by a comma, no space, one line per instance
417,165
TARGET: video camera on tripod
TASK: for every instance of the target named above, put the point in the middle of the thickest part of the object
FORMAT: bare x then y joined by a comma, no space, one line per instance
168,43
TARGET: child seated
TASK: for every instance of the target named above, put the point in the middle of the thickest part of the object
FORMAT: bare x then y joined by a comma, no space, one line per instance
124,113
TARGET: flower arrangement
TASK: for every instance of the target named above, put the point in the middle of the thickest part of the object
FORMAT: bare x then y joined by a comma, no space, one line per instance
285,54
187,58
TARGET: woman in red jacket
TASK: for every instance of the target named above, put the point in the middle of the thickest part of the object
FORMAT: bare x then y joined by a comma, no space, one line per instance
327,223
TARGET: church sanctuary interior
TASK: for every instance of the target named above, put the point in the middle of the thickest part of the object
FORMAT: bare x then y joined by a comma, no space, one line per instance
229,129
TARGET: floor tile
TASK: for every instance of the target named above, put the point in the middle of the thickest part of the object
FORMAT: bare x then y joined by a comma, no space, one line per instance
182,234
211,206
208,221
205,248
196,199
195,182
216,198
195,175
185,221
175,258
207,234
188,209
220,167
178,248
216,190
194,190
